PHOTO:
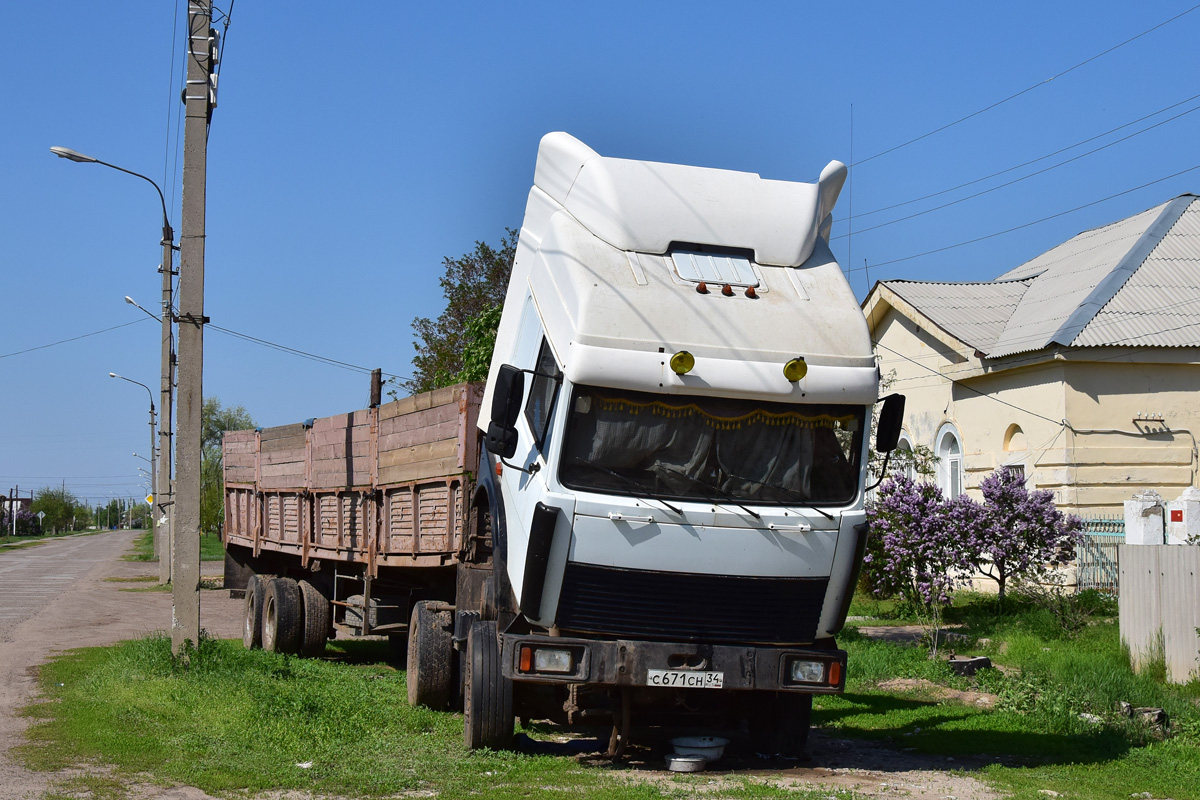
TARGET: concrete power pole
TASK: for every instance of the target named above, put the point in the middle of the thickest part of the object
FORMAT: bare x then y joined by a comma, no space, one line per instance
198,97
162,509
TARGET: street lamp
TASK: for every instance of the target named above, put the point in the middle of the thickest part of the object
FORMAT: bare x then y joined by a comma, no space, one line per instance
153,483
143,458
164,503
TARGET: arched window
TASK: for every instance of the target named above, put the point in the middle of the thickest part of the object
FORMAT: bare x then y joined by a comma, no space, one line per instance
949,452
1014,444
904,454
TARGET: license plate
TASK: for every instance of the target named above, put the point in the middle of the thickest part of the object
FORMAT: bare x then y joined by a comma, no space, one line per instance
685,679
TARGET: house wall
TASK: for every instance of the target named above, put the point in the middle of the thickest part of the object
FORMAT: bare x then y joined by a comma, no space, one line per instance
983,409
1114,450
1012,415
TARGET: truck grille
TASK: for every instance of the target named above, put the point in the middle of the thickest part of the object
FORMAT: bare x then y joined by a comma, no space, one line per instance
685,607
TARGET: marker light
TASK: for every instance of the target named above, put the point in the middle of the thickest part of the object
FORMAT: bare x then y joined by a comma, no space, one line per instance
682,362
795,369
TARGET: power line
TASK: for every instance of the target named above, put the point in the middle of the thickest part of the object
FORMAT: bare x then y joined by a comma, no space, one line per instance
965,386
1025,164
1026,90
1023,177
72,339
1034,222
301,353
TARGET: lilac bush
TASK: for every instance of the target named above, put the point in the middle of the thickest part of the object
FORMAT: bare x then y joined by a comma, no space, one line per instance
918,547
1021,534
27,524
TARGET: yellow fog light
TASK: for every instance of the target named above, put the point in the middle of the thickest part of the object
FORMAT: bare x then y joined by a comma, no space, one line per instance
795,369
682,362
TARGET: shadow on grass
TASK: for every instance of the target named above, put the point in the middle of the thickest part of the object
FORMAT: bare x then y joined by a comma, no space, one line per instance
912,730
364,652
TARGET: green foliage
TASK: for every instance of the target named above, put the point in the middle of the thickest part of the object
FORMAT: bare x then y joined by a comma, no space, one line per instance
215,420
474,286
64,511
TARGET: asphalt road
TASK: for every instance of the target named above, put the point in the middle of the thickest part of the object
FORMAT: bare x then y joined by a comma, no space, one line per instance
57,596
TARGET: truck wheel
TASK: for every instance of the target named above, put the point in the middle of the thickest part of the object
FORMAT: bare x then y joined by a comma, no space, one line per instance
430,649
487,694
779,723
317,611
252,628
282,622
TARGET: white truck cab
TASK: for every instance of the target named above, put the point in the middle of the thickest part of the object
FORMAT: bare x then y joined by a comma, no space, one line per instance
674,462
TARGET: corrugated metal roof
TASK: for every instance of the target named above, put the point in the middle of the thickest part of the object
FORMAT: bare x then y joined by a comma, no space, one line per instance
1159,306
1132,282
974,313
1070,275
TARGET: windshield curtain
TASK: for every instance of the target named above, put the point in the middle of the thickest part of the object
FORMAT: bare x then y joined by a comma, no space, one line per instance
703,448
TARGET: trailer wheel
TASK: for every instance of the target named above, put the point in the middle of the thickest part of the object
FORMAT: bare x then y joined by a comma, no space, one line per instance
282,621
779,723
317,612
256,587
430,650
487,694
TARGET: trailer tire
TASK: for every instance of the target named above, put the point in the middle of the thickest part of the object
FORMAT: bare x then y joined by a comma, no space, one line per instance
317,611
487,694
430,654
282,619
256,587
779,723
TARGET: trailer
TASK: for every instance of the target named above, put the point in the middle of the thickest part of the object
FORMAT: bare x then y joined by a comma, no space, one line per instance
651,514
340,522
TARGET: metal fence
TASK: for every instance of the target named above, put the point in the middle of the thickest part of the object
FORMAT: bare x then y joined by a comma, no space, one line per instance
1096,562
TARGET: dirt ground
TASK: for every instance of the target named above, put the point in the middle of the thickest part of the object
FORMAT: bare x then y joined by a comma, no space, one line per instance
82,609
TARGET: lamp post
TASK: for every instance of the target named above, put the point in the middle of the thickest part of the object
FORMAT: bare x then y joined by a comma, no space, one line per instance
153,480
164,534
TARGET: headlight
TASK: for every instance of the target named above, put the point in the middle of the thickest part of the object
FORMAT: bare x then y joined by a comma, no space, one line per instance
800,671
546,659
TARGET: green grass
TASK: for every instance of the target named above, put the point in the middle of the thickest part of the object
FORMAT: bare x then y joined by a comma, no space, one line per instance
143,548
1052,674
239,721
211,548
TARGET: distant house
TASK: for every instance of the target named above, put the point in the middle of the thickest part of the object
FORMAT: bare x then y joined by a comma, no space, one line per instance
1079,368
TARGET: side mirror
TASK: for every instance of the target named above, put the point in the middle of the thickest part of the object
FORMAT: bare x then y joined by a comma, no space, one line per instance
507,396
891,416
501,440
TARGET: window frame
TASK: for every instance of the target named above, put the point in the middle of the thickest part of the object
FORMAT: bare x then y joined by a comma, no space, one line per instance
545,372
950,465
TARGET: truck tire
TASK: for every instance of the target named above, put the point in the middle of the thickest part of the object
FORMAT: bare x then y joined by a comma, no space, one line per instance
430,654
779,723
282,619
487,694
256,587
317,611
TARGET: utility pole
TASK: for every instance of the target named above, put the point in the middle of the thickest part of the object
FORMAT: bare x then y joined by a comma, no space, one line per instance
198,97
163,494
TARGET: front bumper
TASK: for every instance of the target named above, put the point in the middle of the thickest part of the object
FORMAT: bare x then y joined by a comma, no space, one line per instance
625,662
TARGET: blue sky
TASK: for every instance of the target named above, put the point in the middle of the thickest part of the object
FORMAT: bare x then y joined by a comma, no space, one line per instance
357,144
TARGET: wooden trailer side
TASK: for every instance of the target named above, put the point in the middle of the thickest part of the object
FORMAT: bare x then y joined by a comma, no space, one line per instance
386,486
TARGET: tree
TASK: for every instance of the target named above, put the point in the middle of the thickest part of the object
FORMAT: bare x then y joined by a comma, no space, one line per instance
214,421
60,507
1021,534
917,549
474,286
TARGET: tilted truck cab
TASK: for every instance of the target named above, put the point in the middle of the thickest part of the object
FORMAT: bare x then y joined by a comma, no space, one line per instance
675,450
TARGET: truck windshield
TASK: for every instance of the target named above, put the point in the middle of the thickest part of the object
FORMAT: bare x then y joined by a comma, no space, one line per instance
705,448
